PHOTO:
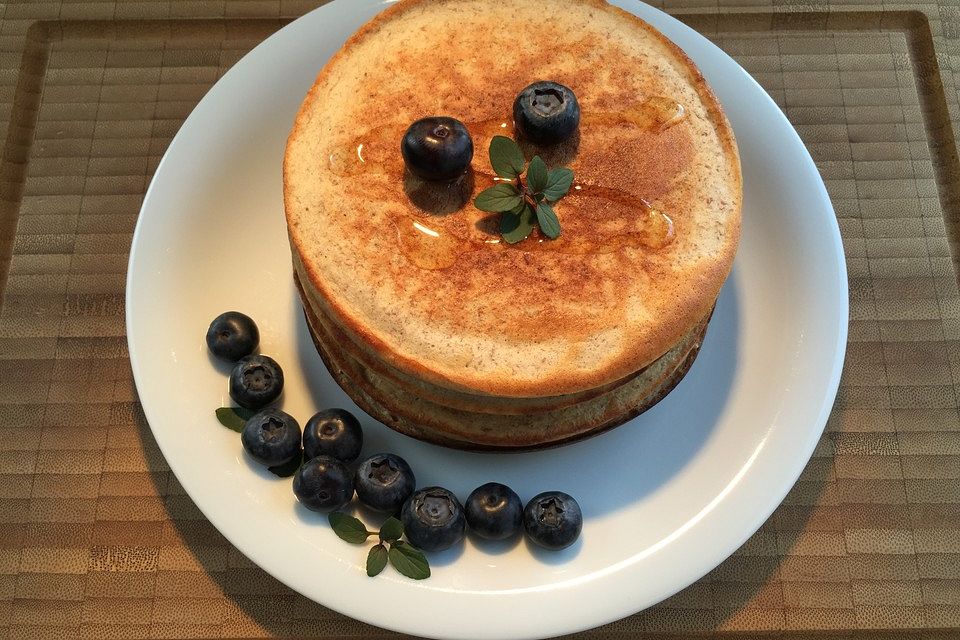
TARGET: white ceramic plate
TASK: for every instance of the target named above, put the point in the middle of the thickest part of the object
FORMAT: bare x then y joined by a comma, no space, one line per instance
665,498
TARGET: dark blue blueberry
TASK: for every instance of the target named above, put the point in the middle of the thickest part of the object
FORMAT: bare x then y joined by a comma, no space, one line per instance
232,335
494,511
546,113
271,437
437,148
323,484
335,433
553,520
256,381
433,519
384,481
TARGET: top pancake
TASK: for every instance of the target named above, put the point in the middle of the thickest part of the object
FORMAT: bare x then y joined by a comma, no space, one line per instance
407,270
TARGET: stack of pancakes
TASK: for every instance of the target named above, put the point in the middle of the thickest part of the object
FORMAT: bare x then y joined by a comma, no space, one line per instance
425,317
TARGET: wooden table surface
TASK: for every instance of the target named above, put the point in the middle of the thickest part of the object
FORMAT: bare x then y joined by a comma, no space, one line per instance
97,538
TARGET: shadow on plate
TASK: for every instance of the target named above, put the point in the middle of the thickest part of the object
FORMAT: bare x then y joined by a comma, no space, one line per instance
221,366
446,557
494,547
554,558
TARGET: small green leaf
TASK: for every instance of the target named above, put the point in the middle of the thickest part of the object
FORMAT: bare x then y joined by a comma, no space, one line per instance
520,208
234,417
376,560
392,530
509,221
287,469
537,175
501,197
515,227
547,219
558,183
348,528
506,157
409,561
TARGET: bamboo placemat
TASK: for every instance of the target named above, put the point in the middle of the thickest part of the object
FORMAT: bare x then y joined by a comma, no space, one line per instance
97,538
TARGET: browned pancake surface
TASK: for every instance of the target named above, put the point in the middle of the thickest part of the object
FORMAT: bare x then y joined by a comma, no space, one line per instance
434,294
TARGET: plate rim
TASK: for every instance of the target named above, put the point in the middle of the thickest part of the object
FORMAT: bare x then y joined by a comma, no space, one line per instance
688,575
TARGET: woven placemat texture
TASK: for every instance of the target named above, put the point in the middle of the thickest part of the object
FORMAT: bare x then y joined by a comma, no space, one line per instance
98,540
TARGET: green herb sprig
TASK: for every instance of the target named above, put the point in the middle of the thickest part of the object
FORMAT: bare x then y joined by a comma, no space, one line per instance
523,204
404,557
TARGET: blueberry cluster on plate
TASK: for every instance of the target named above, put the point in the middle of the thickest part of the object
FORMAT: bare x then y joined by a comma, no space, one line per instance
433,518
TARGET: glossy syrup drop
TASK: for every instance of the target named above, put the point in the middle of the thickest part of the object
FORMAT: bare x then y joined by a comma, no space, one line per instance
348,160
655,115
427,247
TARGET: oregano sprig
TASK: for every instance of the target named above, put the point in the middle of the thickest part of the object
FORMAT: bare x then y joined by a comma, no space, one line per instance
405,558
523,204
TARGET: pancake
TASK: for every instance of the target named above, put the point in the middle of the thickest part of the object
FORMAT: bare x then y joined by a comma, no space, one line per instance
412,415
647,241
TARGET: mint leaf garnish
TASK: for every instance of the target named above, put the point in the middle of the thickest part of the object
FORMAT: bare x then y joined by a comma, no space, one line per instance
547,219
558,183
391,531
520,205
515,227
406,559
537,175
287,469
409,561
234,417
501,197
506,157
376,560
348,528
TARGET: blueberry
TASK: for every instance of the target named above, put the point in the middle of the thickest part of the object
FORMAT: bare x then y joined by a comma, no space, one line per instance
232,335
553,520
546,113
335,433
384,481
494,511
323,484
256,381
437,148
271,437
433,519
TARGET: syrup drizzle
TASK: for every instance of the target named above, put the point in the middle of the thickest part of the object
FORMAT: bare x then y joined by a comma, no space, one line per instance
656,115
429,243
431,246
